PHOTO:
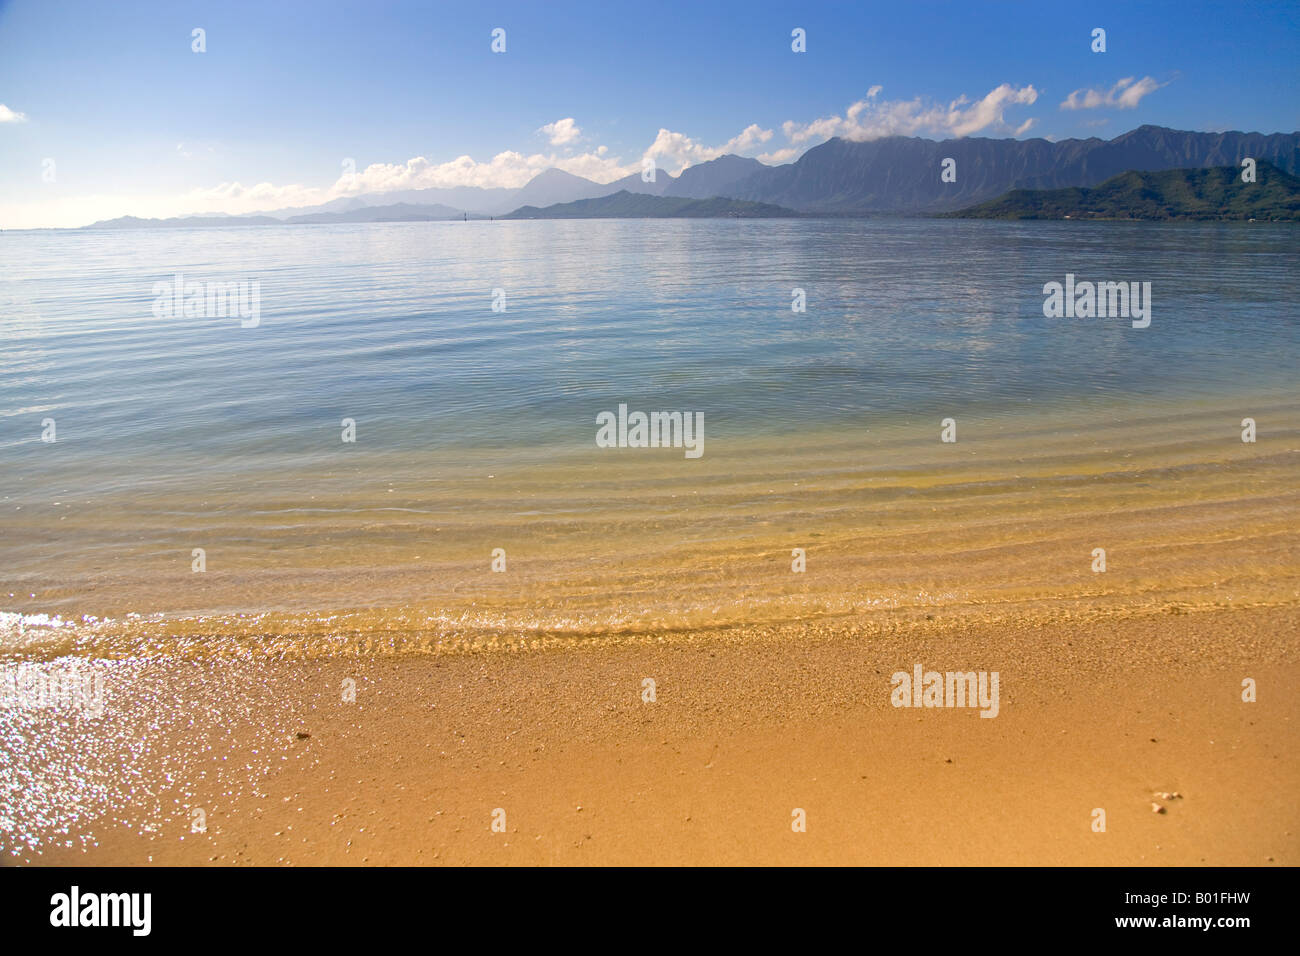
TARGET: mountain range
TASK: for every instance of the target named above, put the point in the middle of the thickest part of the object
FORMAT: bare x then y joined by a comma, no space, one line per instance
897,175
1191,194
901,174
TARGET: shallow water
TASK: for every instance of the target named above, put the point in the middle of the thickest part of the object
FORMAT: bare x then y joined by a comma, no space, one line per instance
476,429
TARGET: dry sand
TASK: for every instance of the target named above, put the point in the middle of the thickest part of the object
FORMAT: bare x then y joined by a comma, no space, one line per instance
746,727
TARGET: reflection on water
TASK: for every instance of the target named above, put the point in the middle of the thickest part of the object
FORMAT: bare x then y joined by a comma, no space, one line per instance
392,325
475,429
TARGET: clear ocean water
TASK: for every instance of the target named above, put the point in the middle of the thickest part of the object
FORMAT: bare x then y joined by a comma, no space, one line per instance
392,325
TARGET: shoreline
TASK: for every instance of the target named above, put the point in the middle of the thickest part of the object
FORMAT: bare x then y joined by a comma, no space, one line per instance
1004,521
521,691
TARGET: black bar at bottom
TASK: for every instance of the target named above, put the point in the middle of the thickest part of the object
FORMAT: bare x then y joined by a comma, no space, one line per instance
947,906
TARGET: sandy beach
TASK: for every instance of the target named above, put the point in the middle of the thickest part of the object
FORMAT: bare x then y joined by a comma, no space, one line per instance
1108,713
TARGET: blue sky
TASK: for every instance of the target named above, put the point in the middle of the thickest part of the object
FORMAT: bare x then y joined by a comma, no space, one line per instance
136,122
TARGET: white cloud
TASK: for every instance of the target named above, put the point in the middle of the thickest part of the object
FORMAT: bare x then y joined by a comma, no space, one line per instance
510,169
748,138
237,198
872,118
681,151
561,132
1124,95
11,116
778,156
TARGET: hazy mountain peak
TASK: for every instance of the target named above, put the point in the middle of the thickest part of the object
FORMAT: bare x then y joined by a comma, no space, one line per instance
715,177
553,174
553,185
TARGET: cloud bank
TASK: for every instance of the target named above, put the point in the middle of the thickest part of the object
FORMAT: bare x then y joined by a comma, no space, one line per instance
873,118
868,118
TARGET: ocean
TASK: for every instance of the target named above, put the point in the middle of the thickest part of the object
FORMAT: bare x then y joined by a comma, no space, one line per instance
410,397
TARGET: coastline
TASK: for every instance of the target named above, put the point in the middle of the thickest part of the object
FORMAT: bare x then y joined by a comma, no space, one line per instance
998,526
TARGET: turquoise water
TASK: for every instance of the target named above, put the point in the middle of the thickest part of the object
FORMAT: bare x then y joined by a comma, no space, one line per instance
392,325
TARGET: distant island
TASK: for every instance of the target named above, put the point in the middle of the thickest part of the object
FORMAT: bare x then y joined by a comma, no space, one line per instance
398,212
626,205
1172,194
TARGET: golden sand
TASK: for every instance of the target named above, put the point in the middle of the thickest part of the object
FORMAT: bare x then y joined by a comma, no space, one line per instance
745,729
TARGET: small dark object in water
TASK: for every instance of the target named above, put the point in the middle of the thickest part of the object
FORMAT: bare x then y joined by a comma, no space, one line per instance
303,735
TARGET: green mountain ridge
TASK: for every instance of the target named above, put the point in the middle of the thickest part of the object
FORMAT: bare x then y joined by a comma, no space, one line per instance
1172,194
628,205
